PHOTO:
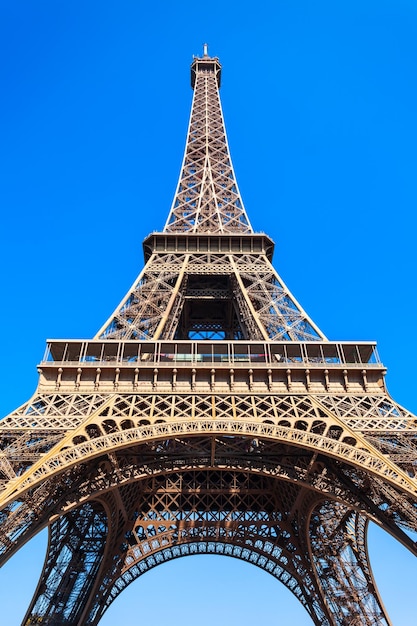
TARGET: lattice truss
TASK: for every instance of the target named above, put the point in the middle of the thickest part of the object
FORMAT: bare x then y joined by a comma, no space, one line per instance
208,201
129,437
126,480
343,423
207,197
219,494
262,304
378,418
345,558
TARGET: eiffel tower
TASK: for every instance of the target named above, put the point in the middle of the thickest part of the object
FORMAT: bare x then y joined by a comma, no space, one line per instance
208,415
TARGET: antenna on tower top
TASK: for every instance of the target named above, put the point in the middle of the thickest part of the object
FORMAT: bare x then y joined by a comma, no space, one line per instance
205,50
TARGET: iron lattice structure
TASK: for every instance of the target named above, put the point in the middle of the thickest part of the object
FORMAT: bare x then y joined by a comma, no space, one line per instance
208,415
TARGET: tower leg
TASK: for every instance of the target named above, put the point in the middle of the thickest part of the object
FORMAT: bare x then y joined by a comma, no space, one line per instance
339,546
75,551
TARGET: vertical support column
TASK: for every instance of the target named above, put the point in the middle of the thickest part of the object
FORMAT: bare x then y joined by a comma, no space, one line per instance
338,543
75,551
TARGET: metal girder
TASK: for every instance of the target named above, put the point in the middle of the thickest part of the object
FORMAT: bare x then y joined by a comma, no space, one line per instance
75,550
338,541
269,520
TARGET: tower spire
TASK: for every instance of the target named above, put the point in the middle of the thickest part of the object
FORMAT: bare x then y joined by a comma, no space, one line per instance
207,198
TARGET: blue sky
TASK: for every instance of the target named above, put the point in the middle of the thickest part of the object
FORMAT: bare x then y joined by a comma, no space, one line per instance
319,100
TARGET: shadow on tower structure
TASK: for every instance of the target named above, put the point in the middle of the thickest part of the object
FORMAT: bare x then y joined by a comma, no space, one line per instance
208,415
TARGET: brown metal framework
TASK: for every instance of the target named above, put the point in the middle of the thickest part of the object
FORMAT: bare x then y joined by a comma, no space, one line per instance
208,415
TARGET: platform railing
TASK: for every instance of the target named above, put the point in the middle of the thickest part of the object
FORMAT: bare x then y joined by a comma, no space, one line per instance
232,352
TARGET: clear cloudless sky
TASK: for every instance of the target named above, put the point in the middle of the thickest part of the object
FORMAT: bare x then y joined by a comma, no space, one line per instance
320,101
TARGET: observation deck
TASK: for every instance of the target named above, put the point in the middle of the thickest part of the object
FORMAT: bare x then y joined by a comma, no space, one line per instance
208,366
213,243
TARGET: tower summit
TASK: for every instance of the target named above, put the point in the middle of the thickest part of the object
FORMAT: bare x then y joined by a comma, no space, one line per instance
206,64
208,415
